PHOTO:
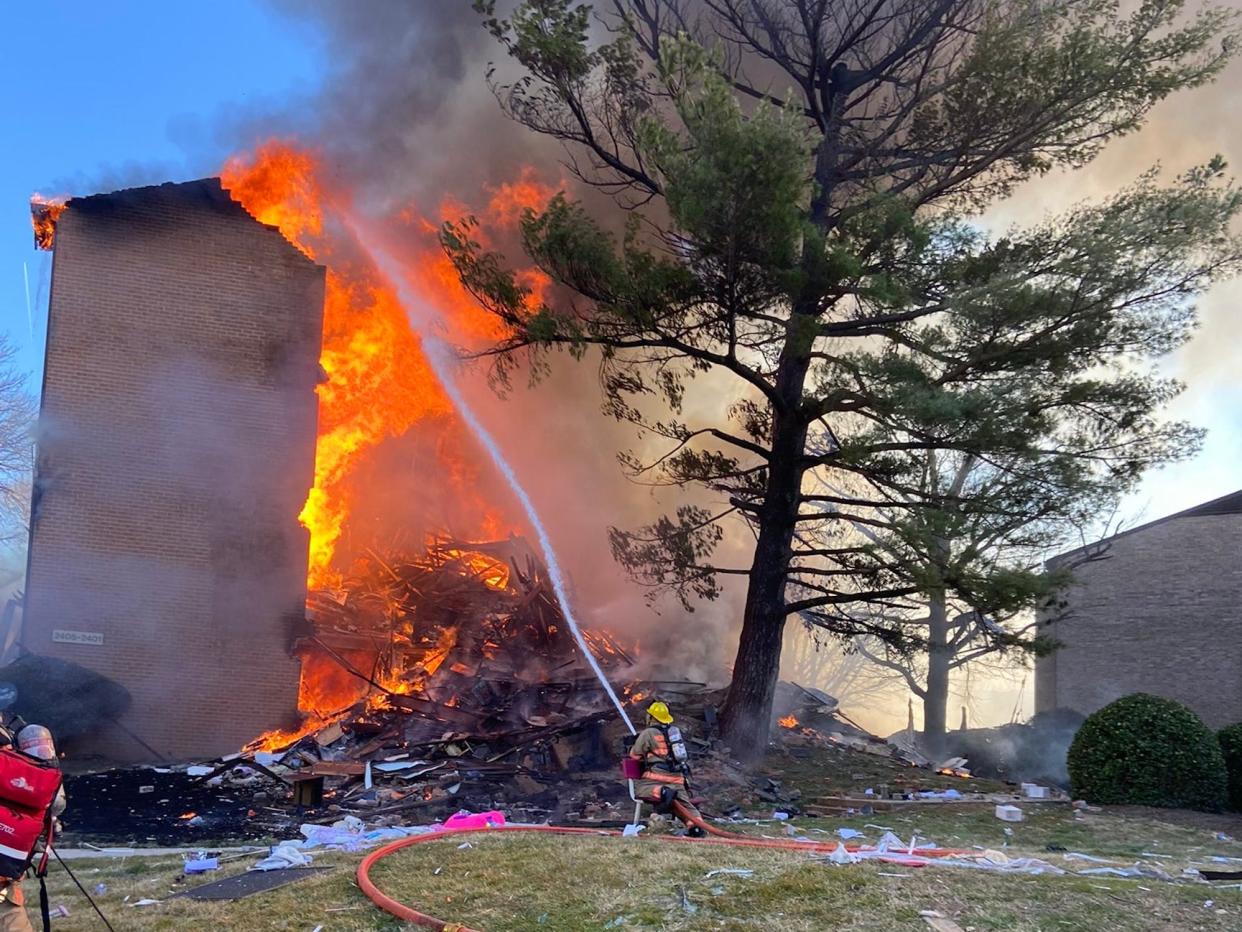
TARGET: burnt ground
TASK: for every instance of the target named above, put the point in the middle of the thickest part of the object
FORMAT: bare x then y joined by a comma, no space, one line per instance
145,806
111,807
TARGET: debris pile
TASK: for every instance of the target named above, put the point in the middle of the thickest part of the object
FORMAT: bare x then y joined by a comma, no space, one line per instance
817,715
468,683
467,635
449,680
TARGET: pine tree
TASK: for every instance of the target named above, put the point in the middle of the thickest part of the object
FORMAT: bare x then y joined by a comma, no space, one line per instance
794,184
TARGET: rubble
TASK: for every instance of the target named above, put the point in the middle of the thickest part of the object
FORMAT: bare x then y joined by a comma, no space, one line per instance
473,688
463,688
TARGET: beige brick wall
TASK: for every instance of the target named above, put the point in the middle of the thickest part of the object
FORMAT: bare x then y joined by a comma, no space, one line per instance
176,447
1161,614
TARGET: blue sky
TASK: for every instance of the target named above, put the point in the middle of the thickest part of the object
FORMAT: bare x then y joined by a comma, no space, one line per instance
95,96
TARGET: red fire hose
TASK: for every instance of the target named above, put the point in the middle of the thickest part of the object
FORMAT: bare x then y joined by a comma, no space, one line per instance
721,837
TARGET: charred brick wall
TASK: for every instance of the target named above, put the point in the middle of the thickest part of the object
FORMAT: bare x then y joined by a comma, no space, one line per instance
175,450
1158,614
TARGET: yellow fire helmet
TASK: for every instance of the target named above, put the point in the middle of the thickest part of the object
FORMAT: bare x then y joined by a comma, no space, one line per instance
659,711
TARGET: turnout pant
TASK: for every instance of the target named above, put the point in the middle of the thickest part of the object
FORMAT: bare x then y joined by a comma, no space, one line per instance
650,790
13,916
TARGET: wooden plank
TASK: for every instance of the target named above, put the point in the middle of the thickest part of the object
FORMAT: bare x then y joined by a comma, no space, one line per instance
338,768
449,715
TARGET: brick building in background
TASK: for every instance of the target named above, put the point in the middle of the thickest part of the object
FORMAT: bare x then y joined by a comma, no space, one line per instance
1160,613
175,450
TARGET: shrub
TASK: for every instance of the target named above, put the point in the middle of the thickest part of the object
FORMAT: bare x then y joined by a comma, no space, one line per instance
1231,746
1147,751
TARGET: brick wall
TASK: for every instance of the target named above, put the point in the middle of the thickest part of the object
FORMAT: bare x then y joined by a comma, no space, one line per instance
1160,615
176,447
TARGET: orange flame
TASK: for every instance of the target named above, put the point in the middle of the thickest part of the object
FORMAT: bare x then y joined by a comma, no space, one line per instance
953,772
491,572
378,384
511,199
44,212
788,721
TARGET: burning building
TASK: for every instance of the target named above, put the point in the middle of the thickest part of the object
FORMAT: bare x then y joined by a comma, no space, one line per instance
176,449
199,473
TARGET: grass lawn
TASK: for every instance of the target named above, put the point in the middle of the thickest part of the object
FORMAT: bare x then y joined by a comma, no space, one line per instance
575,884
549,883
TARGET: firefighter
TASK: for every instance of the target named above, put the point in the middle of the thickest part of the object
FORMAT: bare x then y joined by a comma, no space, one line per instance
666,768
36,741
13,916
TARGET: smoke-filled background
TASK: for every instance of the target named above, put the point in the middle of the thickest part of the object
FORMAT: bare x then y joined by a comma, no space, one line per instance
392,98
407,124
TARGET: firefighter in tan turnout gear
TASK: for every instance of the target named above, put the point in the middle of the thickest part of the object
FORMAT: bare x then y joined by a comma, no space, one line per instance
665,768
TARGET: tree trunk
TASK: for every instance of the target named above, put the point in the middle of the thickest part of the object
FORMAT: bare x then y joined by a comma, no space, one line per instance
936,699
747,712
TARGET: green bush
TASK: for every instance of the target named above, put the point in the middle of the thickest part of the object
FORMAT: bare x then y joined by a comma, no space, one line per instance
1230,739
1147,751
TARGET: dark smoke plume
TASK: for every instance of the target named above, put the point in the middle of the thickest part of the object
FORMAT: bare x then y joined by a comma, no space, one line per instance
405,110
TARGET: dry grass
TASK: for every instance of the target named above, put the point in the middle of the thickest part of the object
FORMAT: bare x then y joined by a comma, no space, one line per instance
505,883
544,883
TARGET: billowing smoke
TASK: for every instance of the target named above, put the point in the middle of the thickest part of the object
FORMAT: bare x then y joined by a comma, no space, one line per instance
405,122
407,125
405,113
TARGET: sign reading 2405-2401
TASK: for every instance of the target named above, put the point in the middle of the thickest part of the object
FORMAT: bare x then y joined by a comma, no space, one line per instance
60,636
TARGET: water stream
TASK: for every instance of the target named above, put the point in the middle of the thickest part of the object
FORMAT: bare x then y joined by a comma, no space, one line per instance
444,363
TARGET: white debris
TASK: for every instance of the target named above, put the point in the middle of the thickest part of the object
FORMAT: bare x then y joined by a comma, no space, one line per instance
286,854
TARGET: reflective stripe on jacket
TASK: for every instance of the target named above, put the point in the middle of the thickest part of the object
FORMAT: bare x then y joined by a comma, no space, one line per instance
651,747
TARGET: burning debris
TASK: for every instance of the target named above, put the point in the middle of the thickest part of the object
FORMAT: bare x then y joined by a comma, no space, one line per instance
428,677
463,635
953,767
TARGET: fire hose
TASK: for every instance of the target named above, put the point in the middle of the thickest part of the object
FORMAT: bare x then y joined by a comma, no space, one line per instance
718,837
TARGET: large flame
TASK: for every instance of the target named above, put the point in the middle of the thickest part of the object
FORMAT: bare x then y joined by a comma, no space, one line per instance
378,384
